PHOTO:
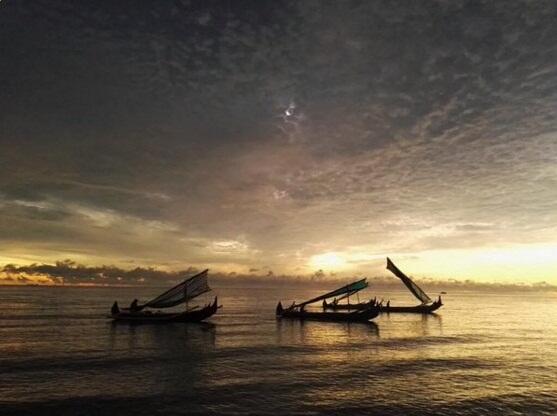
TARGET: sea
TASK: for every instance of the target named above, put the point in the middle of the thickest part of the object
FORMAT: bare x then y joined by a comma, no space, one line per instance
482,353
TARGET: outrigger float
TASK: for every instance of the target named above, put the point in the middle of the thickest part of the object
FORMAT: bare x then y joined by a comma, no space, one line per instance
297,311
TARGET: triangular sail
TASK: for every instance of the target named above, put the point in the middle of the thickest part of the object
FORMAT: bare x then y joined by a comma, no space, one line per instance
352,287
413,287
182,292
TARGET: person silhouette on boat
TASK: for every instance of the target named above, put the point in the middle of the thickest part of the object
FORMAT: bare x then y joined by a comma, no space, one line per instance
388,303
134,307
115,310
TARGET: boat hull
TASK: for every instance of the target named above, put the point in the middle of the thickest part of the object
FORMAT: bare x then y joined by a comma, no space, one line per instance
411,309
163,318
386,309
357,316
346,306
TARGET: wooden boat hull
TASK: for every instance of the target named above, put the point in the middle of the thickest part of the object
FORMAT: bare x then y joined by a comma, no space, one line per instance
162,317
411,309
385,309
356,316
346,306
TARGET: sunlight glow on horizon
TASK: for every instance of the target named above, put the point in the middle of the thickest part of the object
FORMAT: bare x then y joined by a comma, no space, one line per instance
327,261
521,263
517,263
511,264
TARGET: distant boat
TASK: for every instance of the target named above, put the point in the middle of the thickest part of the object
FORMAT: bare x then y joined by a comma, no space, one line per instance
183,292
427,305
297,311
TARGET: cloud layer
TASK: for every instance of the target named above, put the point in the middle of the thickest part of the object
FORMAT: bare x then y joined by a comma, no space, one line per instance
259,135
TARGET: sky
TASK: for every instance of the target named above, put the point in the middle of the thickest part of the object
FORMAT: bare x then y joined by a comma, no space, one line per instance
281,137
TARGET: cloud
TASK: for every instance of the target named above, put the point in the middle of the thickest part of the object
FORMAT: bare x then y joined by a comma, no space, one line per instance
195,134
68,272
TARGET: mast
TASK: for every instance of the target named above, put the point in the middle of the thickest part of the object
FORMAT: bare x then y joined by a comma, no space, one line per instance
349,288
349,294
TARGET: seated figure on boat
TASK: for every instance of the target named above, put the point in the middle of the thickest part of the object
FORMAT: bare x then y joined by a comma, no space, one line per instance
134,307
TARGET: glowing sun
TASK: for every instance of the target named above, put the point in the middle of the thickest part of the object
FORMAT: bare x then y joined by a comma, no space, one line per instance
327,261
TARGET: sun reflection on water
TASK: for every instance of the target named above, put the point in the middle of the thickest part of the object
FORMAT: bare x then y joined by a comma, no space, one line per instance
480,352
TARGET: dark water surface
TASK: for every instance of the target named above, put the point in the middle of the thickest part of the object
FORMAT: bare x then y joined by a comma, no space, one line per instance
482,354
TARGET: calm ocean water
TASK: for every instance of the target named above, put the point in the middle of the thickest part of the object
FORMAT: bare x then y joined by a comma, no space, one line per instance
483,353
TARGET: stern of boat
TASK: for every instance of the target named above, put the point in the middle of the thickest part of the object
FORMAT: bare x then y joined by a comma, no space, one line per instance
369,313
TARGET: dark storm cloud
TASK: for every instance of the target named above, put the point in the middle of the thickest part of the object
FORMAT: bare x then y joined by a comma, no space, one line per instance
247,132
359,73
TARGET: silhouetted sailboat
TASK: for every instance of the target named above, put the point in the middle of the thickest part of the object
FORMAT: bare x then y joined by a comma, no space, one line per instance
183,292
297,311
427,305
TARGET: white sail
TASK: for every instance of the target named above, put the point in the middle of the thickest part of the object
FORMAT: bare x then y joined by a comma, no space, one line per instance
183,292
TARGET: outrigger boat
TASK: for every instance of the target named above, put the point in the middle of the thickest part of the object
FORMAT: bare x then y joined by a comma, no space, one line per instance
297,311
429,308
181,293
427,305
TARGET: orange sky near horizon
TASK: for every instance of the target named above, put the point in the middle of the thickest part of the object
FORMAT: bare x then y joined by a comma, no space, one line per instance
515,264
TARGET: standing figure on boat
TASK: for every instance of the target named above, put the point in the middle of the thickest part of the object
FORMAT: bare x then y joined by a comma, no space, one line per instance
133,306
115,310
